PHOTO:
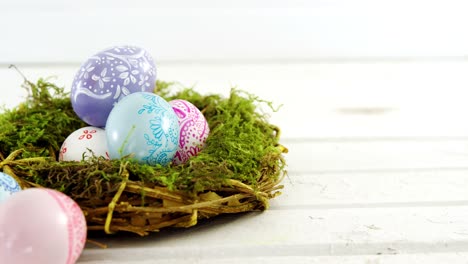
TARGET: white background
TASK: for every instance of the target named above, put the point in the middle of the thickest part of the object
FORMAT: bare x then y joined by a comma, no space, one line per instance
374,114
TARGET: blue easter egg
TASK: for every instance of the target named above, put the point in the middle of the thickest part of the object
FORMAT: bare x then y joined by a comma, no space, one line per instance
107,77
8,186
144,126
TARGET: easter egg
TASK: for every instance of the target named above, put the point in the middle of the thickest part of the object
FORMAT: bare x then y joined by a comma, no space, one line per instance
144,126
107,77
41,226
83,144
8,186
194,130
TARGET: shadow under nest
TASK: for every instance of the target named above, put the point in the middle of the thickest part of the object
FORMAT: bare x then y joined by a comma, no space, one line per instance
239,169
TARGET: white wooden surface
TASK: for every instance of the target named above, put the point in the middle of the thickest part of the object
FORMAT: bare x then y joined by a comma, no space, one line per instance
374,115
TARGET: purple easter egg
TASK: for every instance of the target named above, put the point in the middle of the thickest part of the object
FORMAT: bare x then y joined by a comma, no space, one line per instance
194,130
105,78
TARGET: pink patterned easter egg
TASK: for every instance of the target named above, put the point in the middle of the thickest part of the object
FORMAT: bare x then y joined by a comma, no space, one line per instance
41,226
194,130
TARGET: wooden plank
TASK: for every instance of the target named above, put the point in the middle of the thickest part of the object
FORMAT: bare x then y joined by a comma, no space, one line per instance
302,233
374,156
373,189
455,258
349,100
248,30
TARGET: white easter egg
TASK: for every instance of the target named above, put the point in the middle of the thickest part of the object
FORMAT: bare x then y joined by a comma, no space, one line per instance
83,143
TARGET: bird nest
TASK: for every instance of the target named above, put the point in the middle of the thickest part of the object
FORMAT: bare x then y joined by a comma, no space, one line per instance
239,170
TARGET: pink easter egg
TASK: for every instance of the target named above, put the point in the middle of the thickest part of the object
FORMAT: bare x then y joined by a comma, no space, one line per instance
194,130
41,226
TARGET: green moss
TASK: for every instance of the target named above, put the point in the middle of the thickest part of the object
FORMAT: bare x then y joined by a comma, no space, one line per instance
40,124
242,145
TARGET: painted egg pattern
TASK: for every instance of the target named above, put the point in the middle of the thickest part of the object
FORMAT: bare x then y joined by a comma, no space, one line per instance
8,186
83,143
76,224
43,226
194,130
144,126
107,77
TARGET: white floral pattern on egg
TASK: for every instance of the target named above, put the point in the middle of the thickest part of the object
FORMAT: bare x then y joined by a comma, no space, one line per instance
194,130
108,76
8,186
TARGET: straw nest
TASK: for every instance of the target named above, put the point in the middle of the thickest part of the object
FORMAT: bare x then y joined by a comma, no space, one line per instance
239,170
